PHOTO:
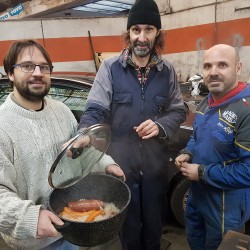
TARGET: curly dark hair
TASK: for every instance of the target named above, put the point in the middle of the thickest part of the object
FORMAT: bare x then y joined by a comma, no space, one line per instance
159,41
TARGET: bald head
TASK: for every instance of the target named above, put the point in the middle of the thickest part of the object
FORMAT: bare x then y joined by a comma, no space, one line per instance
224,48
221,69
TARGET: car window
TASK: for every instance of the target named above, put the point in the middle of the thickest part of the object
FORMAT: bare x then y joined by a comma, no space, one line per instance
73,94
75,99
5,89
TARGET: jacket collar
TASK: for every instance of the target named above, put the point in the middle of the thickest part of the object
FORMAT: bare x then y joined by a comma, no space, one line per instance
212,103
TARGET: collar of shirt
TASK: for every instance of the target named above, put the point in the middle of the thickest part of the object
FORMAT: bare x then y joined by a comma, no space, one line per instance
233,92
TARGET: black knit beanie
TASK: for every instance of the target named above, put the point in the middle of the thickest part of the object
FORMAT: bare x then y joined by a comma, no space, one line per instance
144,12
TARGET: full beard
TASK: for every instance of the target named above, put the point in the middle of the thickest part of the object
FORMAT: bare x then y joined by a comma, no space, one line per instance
142,52
32,94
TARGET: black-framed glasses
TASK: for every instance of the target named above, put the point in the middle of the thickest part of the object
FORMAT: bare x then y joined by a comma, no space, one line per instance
30,67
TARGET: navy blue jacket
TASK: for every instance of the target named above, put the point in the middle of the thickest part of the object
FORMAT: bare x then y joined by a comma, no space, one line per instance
119,100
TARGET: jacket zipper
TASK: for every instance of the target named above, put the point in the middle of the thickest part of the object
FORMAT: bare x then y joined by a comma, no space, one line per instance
143,87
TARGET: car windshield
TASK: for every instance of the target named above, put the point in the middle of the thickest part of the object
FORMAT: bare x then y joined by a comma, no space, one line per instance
75,99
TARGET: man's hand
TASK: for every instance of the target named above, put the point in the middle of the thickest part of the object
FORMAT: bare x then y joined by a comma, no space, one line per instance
115,170
180,159
79,144
147,129
45,227
190,171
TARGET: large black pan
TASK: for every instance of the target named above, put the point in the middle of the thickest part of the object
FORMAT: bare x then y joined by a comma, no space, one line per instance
93,186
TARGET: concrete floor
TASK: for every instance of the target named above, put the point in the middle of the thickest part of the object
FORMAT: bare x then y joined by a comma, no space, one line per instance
176,238
172,239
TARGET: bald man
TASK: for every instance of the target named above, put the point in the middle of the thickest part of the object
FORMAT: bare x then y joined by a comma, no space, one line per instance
217,157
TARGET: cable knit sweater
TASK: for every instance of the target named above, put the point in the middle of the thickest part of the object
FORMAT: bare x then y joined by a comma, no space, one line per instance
29,143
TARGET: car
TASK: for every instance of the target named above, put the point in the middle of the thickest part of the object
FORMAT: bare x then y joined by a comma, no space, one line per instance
74,90
71,90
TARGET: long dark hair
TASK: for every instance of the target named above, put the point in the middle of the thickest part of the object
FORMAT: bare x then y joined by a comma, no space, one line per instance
159,41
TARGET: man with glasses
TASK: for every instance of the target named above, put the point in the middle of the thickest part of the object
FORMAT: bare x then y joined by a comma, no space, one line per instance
28,67
33,129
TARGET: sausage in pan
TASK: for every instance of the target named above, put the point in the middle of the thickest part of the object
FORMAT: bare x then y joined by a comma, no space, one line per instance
85,205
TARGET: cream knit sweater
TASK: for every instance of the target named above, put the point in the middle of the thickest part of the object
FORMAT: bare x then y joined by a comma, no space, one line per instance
29,143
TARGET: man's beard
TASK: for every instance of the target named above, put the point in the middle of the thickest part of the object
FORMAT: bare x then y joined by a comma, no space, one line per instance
32,95
142,52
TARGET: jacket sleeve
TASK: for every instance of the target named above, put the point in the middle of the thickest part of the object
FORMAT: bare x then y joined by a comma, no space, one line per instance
191,143
236,173
177,112
99,99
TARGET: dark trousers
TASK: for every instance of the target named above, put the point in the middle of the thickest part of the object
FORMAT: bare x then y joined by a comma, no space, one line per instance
145,217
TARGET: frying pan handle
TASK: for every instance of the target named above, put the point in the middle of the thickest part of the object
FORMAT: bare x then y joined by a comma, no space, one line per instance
61,228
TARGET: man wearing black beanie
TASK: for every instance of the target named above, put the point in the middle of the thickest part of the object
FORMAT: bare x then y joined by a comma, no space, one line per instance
144,12
138,95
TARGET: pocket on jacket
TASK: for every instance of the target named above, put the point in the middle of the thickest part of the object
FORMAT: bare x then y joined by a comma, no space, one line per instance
222,139
121,107
123,97
161,103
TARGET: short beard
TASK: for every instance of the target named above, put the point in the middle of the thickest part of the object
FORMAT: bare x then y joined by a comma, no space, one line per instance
32,95
142,52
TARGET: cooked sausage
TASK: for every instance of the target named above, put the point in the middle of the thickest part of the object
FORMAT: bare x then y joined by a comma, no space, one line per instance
85,205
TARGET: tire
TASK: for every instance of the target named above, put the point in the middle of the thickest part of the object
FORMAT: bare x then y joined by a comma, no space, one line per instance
178,200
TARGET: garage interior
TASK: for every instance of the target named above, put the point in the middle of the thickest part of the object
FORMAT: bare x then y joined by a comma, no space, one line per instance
68,8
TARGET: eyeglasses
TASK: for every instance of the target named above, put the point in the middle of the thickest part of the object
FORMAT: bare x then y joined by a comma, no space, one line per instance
30,67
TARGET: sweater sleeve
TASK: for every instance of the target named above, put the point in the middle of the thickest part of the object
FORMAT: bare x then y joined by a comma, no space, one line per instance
18,217
103,163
